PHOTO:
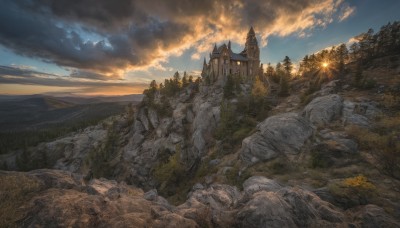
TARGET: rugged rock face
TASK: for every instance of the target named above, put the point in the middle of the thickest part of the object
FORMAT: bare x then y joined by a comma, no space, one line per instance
359,113
71,151
275,136
133,147
64,199
323,110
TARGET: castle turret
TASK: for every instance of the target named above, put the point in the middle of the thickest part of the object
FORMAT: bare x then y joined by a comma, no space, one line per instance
215,49
251,46
252,52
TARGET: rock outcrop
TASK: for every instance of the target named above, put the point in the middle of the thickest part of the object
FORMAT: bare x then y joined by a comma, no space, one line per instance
359,113
323,110
61,199
277,135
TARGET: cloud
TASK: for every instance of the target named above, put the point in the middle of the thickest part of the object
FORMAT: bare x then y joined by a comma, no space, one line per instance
346,12
92,75
15,75
351,41
138,34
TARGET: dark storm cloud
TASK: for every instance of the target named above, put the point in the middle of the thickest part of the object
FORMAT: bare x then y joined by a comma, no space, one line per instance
140,33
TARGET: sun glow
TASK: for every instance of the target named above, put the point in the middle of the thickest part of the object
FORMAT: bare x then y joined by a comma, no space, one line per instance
325,64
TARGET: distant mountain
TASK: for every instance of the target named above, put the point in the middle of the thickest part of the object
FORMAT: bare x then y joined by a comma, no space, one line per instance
134,98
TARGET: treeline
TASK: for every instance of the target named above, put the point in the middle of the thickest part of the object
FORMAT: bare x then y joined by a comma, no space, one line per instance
169,88
172,86
366,47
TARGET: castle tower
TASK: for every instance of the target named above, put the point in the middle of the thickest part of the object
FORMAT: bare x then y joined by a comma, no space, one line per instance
252,53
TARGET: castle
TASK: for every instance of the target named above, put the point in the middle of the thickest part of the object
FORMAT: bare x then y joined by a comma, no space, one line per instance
223,61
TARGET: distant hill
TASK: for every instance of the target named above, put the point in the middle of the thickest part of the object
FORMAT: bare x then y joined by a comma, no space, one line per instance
19,113
28,120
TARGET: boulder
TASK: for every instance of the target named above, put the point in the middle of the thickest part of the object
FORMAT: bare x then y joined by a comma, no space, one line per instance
323,110
260,183
151,195
288,207
359,113
265,209
372,216
277,135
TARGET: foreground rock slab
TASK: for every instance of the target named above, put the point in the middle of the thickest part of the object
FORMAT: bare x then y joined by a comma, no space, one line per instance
275,136
53,198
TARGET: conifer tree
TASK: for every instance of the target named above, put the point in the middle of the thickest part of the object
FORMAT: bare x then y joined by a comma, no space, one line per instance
259,90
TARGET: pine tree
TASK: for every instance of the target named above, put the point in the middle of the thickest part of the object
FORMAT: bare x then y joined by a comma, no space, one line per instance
259,90
288,66
229,87
342,56
185,80
270,71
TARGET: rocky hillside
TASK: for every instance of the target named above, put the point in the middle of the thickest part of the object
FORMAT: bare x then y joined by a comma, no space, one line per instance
223,157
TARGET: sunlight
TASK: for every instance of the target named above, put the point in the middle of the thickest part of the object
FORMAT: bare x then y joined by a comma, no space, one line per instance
325,64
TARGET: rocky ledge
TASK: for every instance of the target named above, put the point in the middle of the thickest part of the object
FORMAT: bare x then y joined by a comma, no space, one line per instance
52,198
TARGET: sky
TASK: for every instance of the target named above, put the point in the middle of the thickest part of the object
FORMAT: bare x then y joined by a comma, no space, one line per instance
103,47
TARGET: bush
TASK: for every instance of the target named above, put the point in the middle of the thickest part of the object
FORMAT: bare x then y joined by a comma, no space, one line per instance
169,174
100,159
235,177
353,191
383,144
319,159
242,133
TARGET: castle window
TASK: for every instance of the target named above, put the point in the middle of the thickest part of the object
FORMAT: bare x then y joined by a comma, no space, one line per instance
238,63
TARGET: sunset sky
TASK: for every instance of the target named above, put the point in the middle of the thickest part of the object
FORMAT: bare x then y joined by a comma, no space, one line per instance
103,47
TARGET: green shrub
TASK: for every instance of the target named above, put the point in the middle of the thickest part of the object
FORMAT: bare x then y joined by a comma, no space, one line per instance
242,133
279,167
319,159
170,173
235,177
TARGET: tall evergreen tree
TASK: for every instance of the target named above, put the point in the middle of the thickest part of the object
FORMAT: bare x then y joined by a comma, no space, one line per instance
288,66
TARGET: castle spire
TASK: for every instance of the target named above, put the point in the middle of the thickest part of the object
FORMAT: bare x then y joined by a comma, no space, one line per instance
215,48
205,63
229,45
251,31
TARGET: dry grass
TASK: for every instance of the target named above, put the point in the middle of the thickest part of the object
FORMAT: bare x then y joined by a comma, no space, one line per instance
15,190
382,142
